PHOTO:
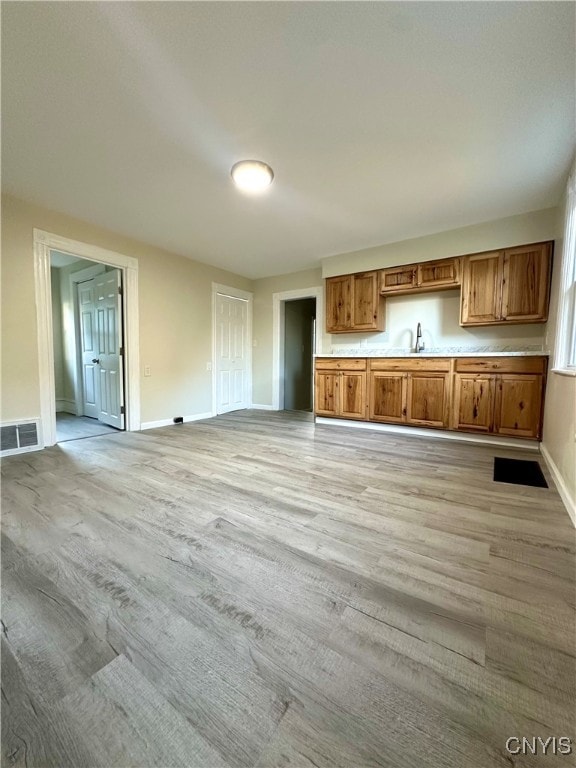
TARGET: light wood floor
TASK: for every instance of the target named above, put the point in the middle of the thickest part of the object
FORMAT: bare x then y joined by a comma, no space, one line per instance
255,591
69,427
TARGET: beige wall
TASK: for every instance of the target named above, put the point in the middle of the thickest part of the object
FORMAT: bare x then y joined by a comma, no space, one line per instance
559,434
514,230
264,290
175,316
439,314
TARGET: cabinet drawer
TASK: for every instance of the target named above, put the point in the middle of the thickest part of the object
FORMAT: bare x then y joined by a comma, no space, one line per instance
501,364
340,364
410,364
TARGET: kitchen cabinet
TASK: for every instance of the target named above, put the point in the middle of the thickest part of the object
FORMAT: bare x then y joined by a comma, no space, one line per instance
489,395
433,275
427,399
406,391
398,279
353,303
503,396
387,396
508,286
473,409
417,278
340,388
518,410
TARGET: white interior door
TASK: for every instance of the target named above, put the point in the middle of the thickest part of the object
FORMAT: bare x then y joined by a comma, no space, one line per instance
108,301
87,315
231,353
100,310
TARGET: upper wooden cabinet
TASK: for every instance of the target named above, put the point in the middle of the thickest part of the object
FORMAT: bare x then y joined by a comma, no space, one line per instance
353,303
510,286
526,283
433,275
415,278
398,279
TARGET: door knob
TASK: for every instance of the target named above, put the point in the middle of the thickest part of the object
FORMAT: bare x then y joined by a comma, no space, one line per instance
96,360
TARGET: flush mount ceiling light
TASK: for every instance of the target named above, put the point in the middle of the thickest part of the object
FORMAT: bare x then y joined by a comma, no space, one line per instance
252,175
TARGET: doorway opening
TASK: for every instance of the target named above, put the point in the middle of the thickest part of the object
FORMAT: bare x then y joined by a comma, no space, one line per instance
114,269
299,350
88,347
293,350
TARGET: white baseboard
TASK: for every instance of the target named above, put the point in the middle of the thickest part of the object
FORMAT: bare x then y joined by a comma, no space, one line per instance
461,437
569,502
259,407
66,406
170,422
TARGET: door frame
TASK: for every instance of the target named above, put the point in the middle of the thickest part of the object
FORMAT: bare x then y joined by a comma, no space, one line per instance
278,320
248,296
44,242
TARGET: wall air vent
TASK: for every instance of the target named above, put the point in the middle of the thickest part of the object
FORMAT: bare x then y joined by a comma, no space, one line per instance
19,437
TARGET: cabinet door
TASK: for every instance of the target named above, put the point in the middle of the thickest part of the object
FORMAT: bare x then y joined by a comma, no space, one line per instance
439,274
387,397
338,303
367,312
526,283
352,386
326,399
427,399
398,279
473,402
518,405
481,289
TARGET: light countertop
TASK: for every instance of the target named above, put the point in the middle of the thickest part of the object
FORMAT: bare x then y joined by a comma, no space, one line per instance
452,352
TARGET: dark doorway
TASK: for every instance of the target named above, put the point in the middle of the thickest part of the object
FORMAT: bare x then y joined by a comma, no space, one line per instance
299,333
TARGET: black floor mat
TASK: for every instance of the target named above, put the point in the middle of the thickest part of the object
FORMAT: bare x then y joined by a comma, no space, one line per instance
518,472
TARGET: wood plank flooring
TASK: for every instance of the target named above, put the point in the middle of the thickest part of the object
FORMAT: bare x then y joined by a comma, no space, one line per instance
254,590
69,427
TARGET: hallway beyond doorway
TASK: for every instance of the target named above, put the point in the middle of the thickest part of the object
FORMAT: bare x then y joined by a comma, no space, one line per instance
69,427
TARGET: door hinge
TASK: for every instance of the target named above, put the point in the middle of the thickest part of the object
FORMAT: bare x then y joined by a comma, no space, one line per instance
122,409
120,290
121,352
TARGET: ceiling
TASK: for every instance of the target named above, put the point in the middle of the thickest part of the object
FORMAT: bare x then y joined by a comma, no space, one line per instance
59,259
382,121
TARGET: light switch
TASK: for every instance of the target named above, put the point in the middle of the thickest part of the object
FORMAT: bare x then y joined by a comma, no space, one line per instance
147,370
208,366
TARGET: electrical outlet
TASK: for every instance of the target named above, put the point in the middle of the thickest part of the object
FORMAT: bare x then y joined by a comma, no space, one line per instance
147,370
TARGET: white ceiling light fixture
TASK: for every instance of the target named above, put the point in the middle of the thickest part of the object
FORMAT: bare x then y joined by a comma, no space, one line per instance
252,176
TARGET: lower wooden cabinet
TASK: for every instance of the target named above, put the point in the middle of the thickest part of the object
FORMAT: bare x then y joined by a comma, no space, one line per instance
507,402
491,395
518,411
427,399
339,390
404,396
473,409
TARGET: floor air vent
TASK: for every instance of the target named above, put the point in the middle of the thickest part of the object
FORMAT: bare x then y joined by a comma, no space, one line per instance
17,438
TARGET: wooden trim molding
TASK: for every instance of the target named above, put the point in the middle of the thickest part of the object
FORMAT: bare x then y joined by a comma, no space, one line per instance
44,242
561,486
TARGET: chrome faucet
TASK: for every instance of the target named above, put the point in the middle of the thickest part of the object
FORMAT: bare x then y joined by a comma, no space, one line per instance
419,343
